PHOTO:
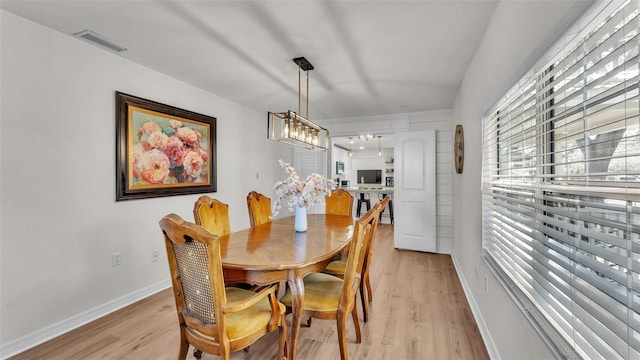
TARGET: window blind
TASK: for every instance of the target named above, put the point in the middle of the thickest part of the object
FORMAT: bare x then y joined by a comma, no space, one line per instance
561,191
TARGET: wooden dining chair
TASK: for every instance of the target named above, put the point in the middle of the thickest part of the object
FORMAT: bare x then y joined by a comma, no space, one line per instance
366,281
259,208
339,202
338,267
330,297
212,215
212,318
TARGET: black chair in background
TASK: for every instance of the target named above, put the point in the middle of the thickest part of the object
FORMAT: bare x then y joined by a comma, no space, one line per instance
363,198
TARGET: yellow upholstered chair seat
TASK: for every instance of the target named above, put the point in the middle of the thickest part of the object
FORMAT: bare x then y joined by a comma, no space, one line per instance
322,292
246,323
336,267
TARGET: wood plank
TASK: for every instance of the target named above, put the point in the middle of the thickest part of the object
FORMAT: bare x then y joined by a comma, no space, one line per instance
419,311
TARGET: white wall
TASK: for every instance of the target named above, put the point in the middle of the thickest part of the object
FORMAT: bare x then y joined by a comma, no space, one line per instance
368,160
441,122
338,154
519,42
59,222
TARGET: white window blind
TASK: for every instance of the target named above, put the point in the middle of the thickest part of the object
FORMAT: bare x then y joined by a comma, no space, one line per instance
561,191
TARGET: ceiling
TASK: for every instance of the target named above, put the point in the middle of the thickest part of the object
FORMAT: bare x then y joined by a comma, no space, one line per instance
370,57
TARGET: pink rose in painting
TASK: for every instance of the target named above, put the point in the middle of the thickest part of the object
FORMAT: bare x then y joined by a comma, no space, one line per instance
137,151
146,146
175,124
158,140
155,166
175,150
149,128
188,135
193,164
203,154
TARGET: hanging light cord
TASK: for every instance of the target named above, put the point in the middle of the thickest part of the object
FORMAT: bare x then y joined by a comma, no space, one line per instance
300,92
307,94
299,69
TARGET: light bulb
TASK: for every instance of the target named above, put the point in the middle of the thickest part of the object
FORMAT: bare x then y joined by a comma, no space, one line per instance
302,133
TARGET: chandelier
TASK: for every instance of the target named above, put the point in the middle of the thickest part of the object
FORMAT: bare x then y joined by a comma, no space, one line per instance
290,127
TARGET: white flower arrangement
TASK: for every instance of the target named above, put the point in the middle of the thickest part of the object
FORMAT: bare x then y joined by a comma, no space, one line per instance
300,193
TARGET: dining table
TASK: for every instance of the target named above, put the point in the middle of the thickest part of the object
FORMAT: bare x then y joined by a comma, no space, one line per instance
275,251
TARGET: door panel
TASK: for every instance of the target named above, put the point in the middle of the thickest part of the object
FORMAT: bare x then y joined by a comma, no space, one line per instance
414,224
413,175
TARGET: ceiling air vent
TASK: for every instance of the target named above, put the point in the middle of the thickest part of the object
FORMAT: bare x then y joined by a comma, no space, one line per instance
100,40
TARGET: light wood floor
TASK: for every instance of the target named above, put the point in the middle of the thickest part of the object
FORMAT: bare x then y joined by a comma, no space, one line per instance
419,311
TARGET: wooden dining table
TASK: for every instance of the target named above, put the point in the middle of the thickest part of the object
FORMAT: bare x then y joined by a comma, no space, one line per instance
274,252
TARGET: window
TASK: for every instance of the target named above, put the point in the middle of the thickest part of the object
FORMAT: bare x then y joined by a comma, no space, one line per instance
561,191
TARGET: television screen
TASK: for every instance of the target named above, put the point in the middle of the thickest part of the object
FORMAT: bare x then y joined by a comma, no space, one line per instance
370,176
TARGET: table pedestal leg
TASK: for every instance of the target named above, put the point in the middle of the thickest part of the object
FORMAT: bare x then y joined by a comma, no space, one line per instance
297,298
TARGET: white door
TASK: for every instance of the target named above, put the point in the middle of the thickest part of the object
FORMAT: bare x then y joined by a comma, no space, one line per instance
414,198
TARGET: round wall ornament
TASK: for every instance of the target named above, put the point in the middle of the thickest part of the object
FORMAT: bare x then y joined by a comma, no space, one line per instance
458,149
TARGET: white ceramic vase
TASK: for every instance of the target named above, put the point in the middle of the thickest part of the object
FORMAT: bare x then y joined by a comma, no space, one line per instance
301,219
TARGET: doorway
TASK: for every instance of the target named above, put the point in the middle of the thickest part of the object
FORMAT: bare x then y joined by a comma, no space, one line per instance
364,154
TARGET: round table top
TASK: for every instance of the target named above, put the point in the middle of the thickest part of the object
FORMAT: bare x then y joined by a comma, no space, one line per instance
276,245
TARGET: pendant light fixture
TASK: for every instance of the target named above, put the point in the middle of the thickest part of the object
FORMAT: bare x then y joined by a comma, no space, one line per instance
379,149
350,142
291,128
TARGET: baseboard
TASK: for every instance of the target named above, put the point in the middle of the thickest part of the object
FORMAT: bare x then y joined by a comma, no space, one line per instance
38,337
477,314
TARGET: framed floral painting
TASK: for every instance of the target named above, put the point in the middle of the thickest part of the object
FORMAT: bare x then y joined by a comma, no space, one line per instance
162,150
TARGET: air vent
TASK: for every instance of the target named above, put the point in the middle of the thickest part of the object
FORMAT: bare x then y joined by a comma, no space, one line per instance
100,40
